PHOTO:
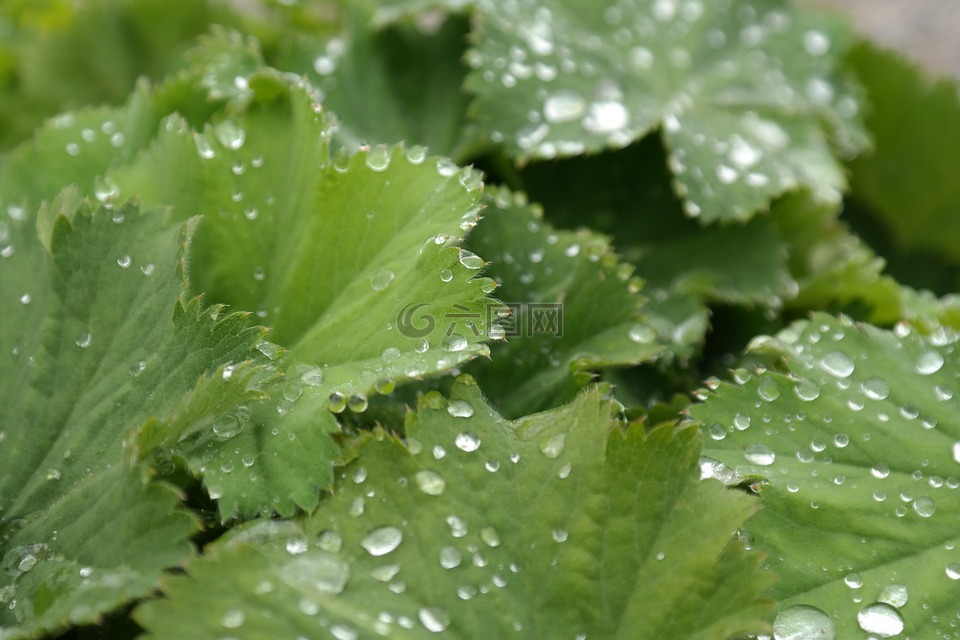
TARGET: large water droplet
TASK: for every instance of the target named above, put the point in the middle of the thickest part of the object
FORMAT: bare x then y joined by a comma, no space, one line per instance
378,158
803,622
470,260
896,595
929,363
760,454
606,116
382,541
467,441
837,364
924,506
881,619
230,135
553,446
227,426
381,279
233,618
564,106
450,558
460,409
875,388
430,482
454,342
434,619
768,389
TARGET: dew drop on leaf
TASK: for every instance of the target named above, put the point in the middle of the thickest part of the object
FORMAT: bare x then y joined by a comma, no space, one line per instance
450,558
837,364
232,618
564,106
378,158
434,619
490,537
454,342
470,260
875,388
881,619
803,622
929,363
467,441
553,446
227,426
381,279
357,403
896,595
760,454
430,482
382,541
460,409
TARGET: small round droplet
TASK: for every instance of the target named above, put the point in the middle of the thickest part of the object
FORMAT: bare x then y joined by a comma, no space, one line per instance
454,342
378,158
641,334
953,571
768,389
806,389
227,426
875,388
450,558
382,541
924,506
357,403
85,339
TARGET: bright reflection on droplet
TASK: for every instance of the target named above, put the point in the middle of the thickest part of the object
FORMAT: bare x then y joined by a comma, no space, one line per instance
382,541
881,619
803,622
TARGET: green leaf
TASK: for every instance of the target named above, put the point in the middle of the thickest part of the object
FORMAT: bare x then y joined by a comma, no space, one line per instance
745,92
857,440
338,257
685,266
97,343
910,117
618,538
555,283
836,271
400,83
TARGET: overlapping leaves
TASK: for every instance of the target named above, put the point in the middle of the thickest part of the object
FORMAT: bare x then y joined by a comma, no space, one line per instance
424,537
857,439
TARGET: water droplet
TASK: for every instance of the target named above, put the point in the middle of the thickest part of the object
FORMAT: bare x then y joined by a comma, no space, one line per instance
837,364
434,619
741,422
458,528
605,117
430,482
450,558
27,562
341,631
460,409
454,342
227,426
446,275
382,541
717,431
816,43
230,135
337,402
760,454
929,363
378,158
467,441
357,403
806,389
875,388
953,571
381,279
641,57
853,580
924,506
470,260
296,545
803,622
559,535
553,446
642,334
564,106
446,167
768,389
416,154
881,619
896,595
233,618
85,339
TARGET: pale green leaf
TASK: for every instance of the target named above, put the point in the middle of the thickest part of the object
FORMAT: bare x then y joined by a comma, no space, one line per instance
575,308
547,527
857,440
745,92
97,343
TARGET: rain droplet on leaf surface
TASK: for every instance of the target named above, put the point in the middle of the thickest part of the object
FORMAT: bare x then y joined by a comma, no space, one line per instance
382,541
803,622
881,619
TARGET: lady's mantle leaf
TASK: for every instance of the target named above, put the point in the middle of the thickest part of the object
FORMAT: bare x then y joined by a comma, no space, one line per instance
96,344
860,444
575,308
745,91
547,527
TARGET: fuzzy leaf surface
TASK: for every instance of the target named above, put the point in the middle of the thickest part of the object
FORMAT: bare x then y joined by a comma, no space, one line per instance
574,308
857,439
98,343
438,545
